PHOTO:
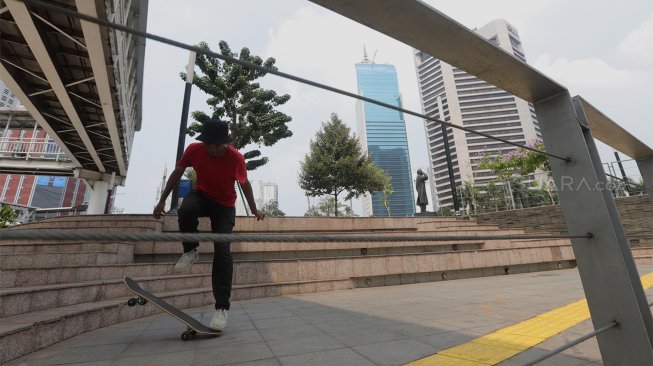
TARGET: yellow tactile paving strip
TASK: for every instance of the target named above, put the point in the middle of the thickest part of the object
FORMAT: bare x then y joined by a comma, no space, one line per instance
496,347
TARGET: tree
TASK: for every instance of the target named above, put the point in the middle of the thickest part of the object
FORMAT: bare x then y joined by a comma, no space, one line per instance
272,209
327,207
235,97
7,216
638,187
467,194
520,162
336,164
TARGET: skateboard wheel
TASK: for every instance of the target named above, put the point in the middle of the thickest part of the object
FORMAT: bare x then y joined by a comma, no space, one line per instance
142,301
131,302
185,336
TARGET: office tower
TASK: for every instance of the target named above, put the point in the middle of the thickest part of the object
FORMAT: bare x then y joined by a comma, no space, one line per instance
7,98
268,192
450,94
382,133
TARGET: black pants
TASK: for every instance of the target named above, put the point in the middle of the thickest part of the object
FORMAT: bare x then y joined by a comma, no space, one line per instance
223,218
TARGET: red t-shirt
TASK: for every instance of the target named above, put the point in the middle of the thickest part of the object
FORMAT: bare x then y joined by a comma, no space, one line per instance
216,176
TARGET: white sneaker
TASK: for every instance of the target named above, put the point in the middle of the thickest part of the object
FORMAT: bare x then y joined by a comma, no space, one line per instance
186,260
219,321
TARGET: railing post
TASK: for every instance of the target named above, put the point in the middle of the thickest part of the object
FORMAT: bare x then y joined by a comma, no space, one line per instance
646,170
612,286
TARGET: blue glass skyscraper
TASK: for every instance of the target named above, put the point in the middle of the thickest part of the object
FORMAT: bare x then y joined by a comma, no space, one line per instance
383,133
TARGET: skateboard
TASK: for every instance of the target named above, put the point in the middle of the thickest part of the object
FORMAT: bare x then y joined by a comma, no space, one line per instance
193,326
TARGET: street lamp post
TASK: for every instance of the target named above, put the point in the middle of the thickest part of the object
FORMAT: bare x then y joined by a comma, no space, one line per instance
182,125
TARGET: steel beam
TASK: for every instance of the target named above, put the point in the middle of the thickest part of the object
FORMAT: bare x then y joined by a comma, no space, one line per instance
42,122
609,132
93,38
25,23
613,289
36,166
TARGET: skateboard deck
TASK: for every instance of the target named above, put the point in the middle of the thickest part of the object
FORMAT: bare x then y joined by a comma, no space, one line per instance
194,327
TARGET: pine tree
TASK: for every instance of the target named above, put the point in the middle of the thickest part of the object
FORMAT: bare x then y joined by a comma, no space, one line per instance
238,99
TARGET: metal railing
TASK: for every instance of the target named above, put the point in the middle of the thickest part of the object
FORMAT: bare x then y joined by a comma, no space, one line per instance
31,149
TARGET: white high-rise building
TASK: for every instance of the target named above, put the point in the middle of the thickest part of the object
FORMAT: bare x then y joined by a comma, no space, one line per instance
268,192
450,94
7,98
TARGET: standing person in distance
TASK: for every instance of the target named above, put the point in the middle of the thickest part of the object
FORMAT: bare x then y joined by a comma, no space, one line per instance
218,165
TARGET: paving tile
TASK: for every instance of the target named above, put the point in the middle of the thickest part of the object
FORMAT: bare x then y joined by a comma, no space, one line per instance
230,337
337,357
161,359
360,337
304,344
272,334
291,321
265,362
88,354
395,352
159,346
446,339
228,354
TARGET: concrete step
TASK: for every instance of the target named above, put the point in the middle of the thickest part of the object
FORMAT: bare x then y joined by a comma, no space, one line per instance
168,251
20,277
288,269
304,224
156,248
21,300
9,247
52,260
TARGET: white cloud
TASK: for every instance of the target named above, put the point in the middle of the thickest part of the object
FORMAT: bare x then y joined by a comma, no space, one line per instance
587,73
638,44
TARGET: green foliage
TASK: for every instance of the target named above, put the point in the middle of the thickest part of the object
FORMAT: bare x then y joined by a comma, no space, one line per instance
272,209
7,216
467,194
520,161
637,187
235,97
327,207
444,211
336,164
493,197
387,191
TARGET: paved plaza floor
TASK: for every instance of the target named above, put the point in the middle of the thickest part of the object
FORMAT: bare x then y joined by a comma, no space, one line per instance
389,325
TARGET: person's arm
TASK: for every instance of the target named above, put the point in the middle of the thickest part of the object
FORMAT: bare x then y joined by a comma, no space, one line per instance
174,179
249,195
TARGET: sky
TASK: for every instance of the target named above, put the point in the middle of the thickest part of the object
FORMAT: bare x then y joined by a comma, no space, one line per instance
599,49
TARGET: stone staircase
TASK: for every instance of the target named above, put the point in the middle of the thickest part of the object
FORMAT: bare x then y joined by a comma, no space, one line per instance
53,290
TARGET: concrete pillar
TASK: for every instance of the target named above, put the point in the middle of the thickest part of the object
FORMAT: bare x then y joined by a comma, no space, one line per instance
98,198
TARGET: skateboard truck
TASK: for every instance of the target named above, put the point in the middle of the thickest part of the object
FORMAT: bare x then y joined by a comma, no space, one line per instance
136,300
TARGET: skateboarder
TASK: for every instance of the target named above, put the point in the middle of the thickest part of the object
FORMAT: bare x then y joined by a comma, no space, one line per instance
218,165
